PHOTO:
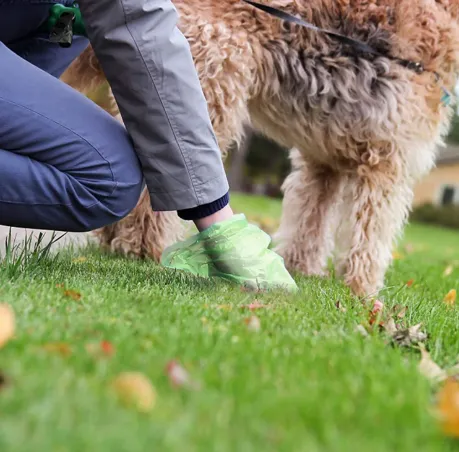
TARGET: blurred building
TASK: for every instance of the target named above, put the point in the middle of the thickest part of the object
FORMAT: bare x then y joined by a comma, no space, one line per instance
441,186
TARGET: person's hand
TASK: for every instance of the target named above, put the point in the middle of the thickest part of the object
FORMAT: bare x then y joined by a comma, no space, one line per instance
235,251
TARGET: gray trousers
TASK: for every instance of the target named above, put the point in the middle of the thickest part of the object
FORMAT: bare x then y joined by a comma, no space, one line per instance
149,66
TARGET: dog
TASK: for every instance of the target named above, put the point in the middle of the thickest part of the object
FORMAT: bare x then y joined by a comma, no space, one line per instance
363,129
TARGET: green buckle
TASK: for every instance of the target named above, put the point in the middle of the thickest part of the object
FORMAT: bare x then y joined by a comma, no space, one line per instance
63,23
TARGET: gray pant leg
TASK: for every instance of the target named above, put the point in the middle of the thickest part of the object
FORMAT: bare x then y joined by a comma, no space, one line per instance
149,66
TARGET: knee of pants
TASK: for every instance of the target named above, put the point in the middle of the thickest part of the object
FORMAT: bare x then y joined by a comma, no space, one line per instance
114,207
110,210
106,193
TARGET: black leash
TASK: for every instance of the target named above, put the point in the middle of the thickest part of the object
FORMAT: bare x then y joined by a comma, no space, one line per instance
357,45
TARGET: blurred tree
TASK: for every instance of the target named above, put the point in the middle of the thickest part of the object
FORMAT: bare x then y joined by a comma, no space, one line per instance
237,163
454,132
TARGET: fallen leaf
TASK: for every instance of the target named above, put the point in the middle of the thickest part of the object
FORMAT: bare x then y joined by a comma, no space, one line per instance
100,349
401,314
107,348
390,327
178,376
255,305
7,323
253,324
60,286
448,270
340,307
409,336
72,294
361,330
80,260
429,368
135,389
61,348
376,313
410,283
397,255
378,306
448,408
450,297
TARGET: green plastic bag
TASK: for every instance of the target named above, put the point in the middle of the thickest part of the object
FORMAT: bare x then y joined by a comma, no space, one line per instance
235,251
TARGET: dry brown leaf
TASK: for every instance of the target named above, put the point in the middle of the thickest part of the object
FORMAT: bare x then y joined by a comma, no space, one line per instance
409,336
409,283
429,368
450,297
101,349
135,389
390,327
376,313
448,407
72,294
448,270
255,305
401,314
60,348
7,323
253,324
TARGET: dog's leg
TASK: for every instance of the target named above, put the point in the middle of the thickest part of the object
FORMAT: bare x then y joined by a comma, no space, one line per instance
377,206
304,238
143,233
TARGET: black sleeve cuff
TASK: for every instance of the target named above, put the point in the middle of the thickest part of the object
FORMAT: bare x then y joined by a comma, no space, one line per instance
196,213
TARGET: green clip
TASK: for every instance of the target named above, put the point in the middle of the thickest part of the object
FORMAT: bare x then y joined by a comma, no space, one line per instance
63,23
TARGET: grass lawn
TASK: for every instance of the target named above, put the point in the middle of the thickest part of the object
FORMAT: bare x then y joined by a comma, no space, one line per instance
307,381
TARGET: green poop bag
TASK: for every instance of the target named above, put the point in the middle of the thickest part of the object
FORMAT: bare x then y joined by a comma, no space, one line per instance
235,251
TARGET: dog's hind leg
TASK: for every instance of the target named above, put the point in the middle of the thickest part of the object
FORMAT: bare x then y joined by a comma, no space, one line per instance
143,233
377,202
304,238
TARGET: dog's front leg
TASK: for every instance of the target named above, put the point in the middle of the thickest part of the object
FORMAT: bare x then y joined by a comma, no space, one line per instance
304,238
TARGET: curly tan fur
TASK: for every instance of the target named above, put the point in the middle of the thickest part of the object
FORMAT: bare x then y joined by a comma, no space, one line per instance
364,130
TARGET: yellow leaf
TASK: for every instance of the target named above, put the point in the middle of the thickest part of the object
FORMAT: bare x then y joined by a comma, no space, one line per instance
450,297
7,323
448,270
448,407
135,389
397,256
61,348
72,294
80,260
429,368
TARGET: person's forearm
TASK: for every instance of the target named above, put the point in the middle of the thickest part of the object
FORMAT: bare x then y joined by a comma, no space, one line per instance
149,66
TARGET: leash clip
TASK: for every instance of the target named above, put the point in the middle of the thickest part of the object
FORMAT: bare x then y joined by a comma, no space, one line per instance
62,31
